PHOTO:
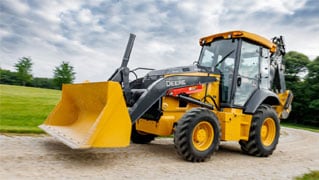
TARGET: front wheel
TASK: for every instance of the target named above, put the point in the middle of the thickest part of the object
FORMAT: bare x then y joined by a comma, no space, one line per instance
197,135
264,133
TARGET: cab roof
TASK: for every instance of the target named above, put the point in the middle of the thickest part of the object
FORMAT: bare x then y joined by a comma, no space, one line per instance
239,34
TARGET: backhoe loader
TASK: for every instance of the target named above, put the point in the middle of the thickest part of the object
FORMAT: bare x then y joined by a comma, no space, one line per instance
234,92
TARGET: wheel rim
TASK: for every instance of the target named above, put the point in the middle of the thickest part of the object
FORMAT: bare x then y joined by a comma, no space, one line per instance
268,132
203,135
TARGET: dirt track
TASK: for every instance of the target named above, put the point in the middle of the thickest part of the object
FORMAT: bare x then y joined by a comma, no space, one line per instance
39,157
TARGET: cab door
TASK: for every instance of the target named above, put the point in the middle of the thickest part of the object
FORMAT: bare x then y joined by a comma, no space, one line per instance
248,74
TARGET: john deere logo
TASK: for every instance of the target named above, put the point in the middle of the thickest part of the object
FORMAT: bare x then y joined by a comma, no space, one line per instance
175,83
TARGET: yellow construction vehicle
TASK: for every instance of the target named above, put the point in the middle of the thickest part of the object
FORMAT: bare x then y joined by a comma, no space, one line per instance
234,92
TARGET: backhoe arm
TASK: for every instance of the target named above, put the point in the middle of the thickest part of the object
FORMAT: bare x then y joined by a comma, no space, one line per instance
278,77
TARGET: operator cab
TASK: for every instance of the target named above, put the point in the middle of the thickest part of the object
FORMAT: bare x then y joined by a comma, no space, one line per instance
242,62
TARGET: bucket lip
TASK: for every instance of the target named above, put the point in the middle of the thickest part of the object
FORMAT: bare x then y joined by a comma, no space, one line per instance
54,132
89,83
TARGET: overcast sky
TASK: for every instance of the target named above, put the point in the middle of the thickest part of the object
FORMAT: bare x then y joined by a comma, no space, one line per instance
92,34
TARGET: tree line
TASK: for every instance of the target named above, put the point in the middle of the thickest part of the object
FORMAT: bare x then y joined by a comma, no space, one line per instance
64,73
302,78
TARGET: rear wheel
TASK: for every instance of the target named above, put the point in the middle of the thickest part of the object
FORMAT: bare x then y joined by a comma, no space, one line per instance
264,133
139,137
197,135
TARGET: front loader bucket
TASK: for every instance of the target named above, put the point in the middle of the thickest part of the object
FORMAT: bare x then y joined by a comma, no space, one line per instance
90,115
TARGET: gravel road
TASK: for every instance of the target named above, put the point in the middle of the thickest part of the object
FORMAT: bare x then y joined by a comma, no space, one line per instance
43,157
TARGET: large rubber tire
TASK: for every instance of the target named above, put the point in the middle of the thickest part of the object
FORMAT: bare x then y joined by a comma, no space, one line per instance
138,137
197,135
264,133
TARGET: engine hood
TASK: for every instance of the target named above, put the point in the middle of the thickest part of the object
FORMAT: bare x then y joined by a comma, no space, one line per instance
174,70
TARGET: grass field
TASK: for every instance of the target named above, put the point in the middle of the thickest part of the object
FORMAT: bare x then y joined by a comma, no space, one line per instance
300,126
22,109
313,175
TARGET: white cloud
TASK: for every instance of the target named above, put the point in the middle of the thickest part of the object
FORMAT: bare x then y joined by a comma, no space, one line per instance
160,48
284,6
85,16
17,6
51,10
275,6
188,6
115,19
4,33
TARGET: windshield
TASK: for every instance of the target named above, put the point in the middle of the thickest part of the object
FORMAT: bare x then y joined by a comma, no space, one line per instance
220,55
217,53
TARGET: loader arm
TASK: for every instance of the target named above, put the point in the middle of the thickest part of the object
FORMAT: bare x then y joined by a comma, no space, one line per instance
159,88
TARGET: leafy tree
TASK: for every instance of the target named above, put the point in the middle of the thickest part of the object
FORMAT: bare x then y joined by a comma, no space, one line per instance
63,74
296,65
312,91
8,77
313,68
306,97
24,68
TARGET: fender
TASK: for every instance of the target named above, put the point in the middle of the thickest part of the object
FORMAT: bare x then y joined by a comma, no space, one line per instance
261,96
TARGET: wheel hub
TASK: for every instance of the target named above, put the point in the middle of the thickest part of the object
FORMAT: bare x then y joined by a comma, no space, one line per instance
268,132
203,135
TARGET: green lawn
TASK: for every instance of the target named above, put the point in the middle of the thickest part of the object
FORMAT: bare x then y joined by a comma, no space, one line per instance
313,175
22,109
300,126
